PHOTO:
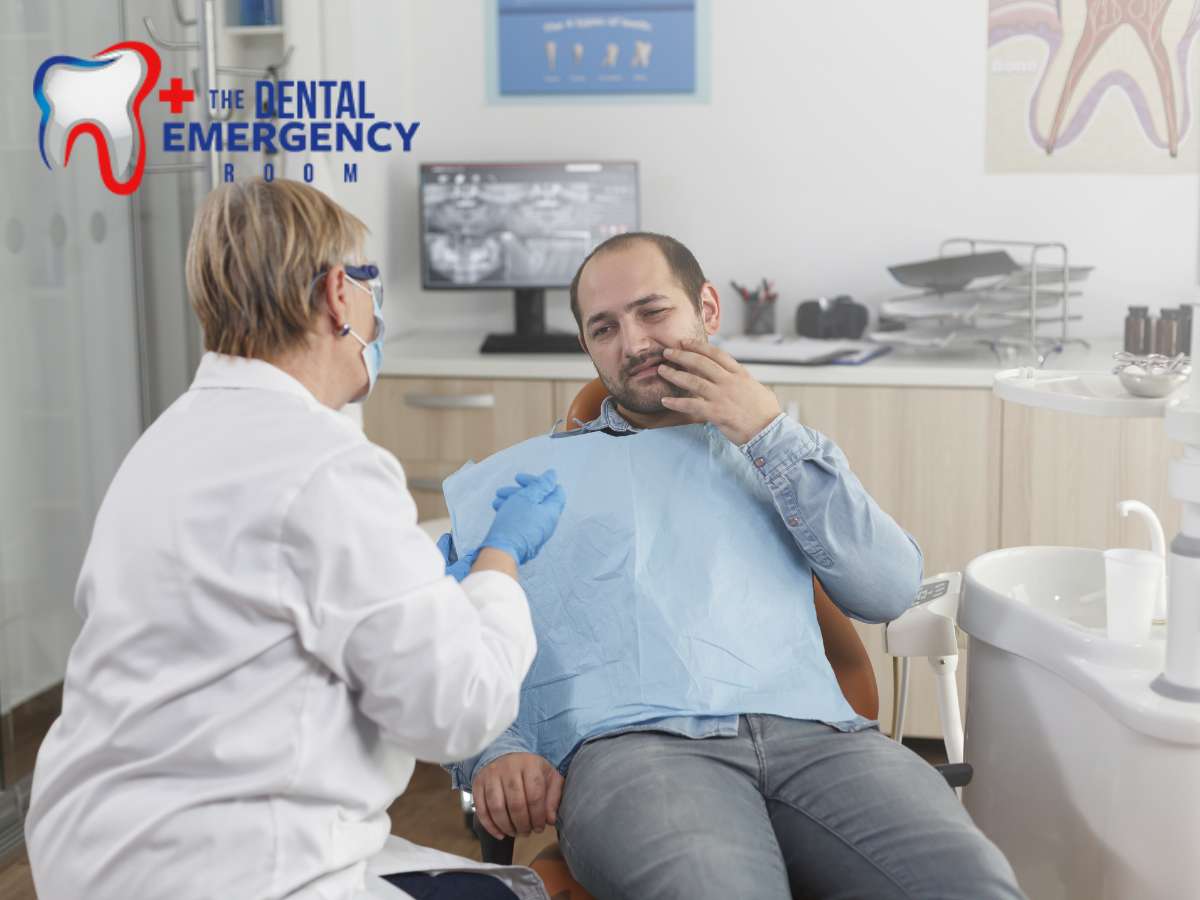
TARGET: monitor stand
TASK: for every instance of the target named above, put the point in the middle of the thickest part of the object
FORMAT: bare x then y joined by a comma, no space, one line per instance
531,335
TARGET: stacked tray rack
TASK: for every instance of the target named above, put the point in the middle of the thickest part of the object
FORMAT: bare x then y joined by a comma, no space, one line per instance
987,297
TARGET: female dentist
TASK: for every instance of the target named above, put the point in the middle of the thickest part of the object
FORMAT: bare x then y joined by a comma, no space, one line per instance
268,638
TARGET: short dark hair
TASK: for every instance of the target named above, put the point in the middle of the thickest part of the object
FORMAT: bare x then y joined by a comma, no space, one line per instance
679,259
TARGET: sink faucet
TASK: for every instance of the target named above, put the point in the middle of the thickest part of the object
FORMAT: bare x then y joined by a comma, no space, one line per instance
1158,544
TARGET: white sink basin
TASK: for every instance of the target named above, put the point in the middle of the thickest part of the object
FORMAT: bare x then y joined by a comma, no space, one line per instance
1046,605
1085,777
1059,592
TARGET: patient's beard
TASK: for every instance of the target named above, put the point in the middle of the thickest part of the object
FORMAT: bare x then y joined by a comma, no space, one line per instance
645,397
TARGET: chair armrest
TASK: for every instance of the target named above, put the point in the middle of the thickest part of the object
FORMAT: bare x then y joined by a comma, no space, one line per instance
956,774
492,850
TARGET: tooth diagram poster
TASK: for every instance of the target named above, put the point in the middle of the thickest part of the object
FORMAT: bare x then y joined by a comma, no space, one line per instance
596,47
1093,86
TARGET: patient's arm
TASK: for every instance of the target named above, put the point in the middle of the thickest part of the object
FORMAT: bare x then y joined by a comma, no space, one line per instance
870,566
847,655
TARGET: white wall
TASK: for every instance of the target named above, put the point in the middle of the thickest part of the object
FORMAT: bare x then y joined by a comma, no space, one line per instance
840,138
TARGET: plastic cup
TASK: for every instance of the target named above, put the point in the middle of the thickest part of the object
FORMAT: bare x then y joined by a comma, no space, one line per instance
1131,585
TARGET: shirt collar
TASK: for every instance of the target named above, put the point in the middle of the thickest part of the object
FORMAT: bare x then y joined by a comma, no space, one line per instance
221,371
610,418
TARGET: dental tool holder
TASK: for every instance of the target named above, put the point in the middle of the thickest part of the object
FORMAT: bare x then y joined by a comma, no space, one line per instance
1089,393
951,312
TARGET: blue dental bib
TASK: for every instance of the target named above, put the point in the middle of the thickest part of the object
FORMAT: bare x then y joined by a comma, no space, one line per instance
670,587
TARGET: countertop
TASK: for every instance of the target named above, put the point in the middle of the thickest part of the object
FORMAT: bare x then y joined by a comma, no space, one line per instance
442,354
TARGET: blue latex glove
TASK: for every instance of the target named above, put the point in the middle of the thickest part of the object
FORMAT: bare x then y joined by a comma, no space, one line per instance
523,480
455,567
526,516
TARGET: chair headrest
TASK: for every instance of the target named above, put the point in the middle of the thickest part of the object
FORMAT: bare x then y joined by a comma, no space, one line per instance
586,405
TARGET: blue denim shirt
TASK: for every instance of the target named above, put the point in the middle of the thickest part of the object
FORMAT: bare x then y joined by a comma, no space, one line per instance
869,566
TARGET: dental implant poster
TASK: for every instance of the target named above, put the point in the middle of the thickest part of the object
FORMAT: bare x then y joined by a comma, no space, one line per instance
1051,67
590,47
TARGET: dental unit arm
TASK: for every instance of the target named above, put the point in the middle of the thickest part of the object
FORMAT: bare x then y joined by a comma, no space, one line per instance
1180,679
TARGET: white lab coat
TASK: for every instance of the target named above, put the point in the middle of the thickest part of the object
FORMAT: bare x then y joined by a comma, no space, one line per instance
268,641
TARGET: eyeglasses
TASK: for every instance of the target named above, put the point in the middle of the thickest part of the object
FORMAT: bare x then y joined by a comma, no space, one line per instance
367,274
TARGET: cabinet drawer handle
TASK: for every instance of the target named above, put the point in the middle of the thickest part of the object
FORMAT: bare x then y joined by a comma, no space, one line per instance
425,484
451,401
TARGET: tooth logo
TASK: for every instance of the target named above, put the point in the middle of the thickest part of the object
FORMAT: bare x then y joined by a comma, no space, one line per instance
101,97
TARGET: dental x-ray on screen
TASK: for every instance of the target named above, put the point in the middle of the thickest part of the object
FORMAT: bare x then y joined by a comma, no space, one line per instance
507,225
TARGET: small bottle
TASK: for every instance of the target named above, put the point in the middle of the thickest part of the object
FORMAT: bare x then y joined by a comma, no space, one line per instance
1137,331
1184,344
1166,332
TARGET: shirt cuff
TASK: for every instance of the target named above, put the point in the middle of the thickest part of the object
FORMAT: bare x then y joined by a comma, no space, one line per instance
781,443
462,774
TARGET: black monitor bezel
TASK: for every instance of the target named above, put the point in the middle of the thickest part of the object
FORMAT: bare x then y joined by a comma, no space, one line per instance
423,260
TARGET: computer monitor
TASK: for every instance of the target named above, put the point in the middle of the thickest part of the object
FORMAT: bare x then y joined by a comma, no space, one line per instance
524,227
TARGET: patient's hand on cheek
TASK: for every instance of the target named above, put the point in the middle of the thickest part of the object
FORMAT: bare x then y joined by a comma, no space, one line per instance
720,390
516,794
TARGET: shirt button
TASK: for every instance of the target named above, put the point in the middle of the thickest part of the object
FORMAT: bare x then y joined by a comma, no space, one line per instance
793,521
760,462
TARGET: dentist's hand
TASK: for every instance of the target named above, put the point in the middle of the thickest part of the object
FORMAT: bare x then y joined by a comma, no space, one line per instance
456,567
523,479
516,794
526,516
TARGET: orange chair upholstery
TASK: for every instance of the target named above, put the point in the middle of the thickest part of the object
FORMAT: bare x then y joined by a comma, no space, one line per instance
586,405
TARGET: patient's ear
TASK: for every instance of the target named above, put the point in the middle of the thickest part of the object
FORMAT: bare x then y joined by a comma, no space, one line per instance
710,308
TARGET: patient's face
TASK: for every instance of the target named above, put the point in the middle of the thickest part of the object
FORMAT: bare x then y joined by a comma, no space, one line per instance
632,308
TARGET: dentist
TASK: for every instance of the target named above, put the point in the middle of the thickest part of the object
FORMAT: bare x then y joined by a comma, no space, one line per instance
269,640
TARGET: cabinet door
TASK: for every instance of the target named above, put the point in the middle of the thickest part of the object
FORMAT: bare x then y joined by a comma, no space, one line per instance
1064,475
425,484
455,419
931,459
434,425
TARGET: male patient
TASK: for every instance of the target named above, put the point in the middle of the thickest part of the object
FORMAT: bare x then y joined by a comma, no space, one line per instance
692,805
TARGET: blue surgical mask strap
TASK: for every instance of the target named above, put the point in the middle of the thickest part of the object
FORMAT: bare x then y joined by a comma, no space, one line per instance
372,353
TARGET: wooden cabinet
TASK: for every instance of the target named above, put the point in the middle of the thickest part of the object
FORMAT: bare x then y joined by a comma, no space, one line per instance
1064,475
434,425
425,484
929,456
931,459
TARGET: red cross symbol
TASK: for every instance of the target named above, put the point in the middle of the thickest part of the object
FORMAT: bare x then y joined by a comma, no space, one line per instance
177,96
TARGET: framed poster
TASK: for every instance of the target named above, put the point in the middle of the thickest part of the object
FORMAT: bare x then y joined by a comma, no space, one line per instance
1093,86
596,47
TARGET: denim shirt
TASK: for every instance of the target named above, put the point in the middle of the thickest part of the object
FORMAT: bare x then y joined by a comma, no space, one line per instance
869,566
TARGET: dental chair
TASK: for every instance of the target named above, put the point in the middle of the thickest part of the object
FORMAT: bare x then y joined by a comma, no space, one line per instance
843,648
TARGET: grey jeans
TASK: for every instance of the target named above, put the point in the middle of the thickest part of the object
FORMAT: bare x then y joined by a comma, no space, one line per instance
786,809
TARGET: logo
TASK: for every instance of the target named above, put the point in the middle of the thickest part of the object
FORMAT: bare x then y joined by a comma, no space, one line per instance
100,97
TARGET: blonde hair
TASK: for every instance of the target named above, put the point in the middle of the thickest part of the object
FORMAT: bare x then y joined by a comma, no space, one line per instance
256,247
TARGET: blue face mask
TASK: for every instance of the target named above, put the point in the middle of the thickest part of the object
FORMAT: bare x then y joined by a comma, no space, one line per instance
366,277
372,353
